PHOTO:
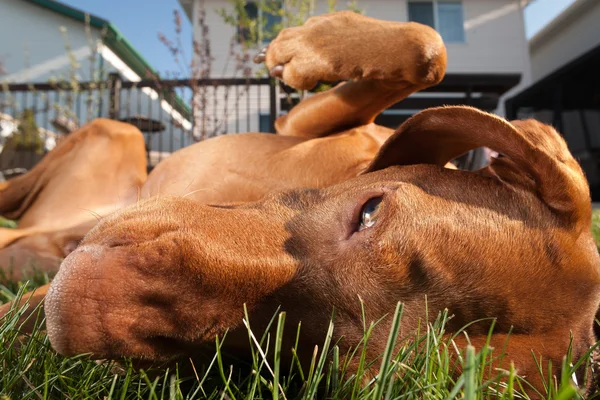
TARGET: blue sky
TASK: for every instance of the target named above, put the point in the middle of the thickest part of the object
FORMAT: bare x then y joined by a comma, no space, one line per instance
140,21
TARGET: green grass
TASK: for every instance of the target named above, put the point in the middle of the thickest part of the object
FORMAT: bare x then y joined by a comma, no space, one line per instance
7,223
420,368
596,227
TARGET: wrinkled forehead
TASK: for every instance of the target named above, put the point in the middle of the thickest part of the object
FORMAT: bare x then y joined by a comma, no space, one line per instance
304,199
412,181
424,176
437,181
422,189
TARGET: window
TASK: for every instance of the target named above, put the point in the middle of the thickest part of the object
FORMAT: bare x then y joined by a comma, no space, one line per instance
258,21
444,16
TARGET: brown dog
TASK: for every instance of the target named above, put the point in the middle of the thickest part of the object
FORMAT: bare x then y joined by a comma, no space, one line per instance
511,241
92,173
326,139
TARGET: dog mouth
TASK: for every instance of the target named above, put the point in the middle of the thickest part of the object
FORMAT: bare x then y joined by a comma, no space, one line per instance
165,348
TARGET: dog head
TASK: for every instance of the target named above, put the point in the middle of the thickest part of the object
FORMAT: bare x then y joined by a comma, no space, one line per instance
509,242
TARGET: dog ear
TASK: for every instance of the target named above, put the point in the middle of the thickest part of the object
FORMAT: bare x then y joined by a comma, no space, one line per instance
536,157
17,194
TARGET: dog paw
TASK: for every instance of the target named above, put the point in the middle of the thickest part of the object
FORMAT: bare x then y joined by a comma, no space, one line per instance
276,71
325,48
349,46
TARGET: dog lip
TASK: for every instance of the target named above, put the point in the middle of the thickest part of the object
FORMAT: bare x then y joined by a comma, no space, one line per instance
166,344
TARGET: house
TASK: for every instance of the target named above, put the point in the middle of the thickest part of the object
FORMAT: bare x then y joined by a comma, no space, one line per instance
53,57
487,48
565,89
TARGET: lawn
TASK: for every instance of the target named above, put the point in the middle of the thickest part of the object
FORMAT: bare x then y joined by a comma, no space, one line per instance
422,368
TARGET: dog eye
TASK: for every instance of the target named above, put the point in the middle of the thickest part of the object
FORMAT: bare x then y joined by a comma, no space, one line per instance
368,214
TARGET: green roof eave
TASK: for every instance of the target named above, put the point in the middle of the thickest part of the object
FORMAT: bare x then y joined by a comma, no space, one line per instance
112,37
115,41
119,45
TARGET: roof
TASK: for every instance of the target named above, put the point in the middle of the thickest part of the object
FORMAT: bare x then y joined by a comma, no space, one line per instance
571,13
115,41
187,6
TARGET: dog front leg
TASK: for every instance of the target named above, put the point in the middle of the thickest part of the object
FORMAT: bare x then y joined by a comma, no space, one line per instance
384,62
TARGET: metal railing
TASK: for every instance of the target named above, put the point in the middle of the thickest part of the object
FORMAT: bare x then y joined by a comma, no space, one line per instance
171,114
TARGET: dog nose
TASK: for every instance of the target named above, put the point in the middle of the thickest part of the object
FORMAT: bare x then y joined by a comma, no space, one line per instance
106,301
72,308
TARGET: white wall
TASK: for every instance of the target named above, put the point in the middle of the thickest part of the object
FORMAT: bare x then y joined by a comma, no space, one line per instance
495,34
33,47
495,39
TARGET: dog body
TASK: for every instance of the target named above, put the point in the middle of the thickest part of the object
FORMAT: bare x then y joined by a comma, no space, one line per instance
92,173
483,245
257,164
63,197
510,243
324,140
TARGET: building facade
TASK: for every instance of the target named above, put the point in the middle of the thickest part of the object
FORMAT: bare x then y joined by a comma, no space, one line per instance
565,89
487,47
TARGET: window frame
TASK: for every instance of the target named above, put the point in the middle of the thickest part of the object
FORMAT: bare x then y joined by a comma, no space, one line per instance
436,19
